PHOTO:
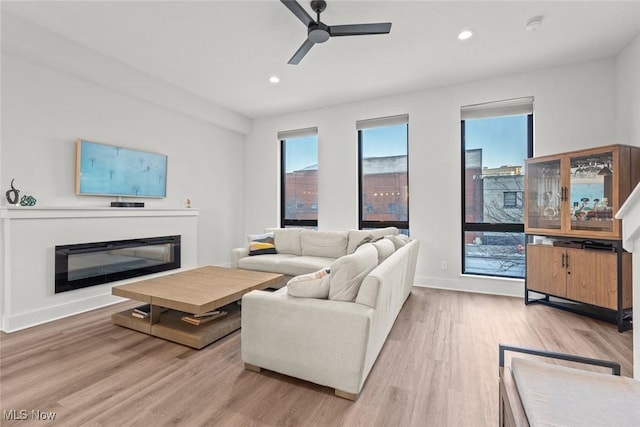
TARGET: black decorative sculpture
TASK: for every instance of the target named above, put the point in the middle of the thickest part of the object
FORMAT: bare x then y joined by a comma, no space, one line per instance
13,194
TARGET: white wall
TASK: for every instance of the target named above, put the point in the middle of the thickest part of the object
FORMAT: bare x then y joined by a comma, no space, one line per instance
45,107
574,109
628,93
44,111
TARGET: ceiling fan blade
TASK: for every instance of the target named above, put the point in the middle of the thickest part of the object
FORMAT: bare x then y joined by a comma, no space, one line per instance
359,29
302,51
297,10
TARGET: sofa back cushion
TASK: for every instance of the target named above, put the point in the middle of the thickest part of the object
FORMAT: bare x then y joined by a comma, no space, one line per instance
385,248
355,238
287,240
358,237
328,244
348,272
399,241
387,231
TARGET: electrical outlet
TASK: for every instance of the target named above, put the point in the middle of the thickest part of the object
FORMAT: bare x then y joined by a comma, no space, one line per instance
444,265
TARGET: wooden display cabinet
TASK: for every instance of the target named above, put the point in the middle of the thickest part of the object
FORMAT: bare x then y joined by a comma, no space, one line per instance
573,198
589,276
579,193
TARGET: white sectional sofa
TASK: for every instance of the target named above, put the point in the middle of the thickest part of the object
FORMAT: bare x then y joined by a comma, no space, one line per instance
302,251
331,342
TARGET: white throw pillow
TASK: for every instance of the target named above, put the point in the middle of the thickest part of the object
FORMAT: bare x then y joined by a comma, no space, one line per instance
348,272
312,285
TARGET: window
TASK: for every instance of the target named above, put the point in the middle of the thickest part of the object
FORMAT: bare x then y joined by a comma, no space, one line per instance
299,180
384,172
510,199
496,139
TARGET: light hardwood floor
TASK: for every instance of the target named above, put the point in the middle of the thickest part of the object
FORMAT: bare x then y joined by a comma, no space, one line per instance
439,367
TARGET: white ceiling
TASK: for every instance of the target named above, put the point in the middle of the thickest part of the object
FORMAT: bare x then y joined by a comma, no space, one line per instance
225,51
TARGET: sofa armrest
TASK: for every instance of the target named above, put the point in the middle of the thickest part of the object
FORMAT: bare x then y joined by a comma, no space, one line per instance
321,341
237,254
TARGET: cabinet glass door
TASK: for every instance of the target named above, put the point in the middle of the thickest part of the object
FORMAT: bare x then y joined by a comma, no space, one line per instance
544,195
591,192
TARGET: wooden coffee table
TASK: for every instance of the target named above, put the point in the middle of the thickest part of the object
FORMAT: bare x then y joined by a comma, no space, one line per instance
188,292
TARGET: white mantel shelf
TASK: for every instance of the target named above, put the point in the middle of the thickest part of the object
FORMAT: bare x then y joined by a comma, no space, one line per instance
28,212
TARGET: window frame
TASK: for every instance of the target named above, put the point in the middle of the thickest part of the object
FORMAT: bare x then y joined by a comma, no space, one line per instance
487,227
285,222
364,224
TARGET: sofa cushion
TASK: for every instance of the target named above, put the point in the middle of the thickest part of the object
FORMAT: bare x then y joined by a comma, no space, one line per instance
563,396
269,263
311,285
355,238
328,244
398,241
348,272
387,231
261,244
287,240
385,248
296,265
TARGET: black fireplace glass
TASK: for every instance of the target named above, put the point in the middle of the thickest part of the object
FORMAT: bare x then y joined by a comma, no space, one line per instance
88,264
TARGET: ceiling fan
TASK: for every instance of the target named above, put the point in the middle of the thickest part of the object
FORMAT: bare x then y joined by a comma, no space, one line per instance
318,32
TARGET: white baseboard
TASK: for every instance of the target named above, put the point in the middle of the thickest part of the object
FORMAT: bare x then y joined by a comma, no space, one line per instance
44,315
476,284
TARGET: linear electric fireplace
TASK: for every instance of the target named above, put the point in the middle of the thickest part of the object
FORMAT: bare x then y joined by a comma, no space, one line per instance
89,264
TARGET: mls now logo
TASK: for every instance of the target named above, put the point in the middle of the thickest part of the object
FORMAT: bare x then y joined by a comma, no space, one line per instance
14,414
23,414
43,415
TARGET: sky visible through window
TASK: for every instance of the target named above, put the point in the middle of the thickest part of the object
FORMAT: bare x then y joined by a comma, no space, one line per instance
301,153
381,142
503,139
385,141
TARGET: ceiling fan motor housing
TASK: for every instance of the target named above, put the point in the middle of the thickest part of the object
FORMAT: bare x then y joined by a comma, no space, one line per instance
318,32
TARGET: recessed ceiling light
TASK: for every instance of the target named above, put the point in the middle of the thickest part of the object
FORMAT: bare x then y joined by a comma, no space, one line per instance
274,79
465,34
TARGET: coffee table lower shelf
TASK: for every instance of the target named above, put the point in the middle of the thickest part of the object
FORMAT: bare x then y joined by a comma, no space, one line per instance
172,328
